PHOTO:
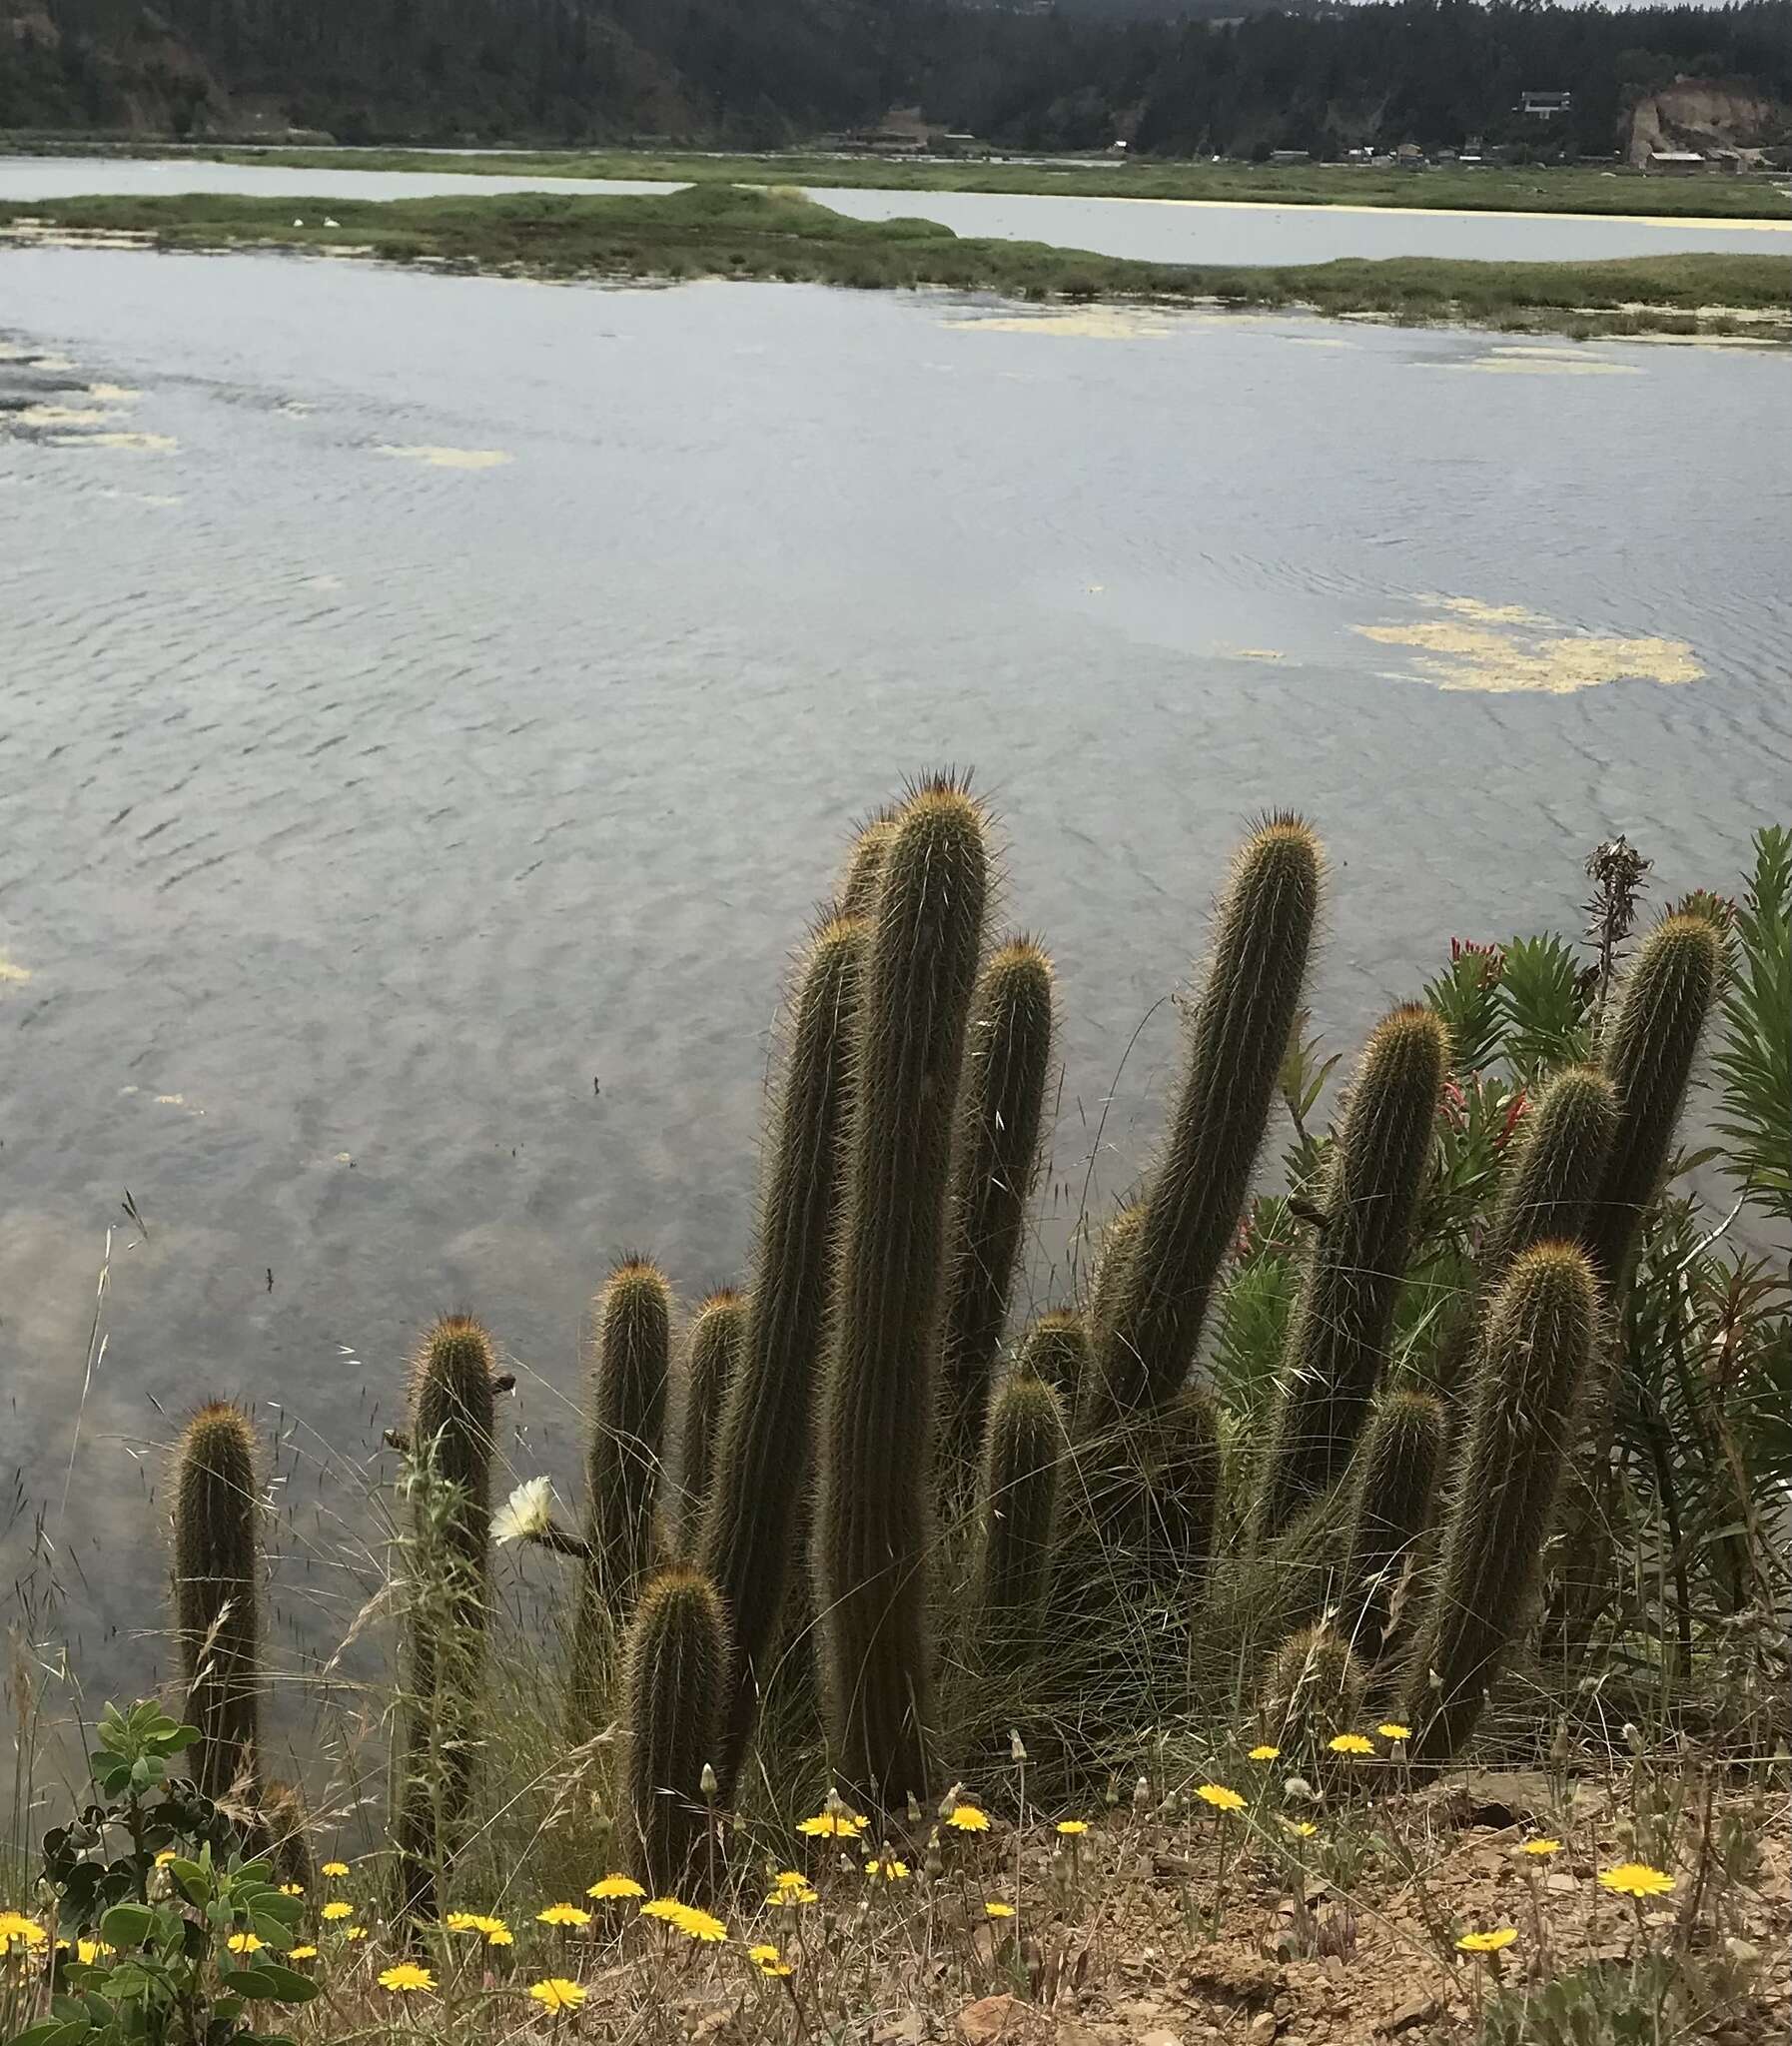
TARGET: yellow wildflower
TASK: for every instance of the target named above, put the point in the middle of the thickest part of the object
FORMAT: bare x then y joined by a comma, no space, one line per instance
1265,1751
334,1868
993,1907
666,1908
292,1889
1392,1730
354,1932
1541,1847
463,1921
616,1886
968,1818
769,1960
1302,1828
556,1993
87,1951
498,1933
1351,1743
405,1978
302,1953
785,1898
15,1926
1073,1828
1487,1942
563,1914
829,1825
792,1879
335,1909
1637,1879
696,1924
165,1857
887,1871
244,1943
1220,1798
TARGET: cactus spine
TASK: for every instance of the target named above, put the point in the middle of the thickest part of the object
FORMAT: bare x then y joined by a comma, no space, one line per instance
748,1542
878,1401
1180,1494
1235,1047
1648,1059
674,1678
1402,1457
217,1592
713,1356
1008,1049
1530,1371
865,868
626,1389
1021,1460
452,1428
1338,1339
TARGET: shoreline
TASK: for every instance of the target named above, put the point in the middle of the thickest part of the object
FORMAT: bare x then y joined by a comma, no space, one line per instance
734,233
1352,188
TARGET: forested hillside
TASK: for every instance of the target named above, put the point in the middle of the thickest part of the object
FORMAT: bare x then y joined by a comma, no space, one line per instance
774,70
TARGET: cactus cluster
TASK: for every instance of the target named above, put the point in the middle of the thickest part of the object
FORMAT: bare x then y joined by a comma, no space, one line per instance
857,1428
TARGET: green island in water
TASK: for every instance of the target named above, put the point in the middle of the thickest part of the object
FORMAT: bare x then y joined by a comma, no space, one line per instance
717,230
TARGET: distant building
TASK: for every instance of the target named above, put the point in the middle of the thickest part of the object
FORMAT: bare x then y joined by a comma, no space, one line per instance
1677,163
1545,106
1291,156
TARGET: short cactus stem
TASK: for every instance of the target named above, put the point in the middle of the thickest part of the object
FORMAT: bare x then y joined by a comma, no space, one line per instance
675,1664
1395,1497
712,1355
1337,1340
1022,1455
217,1594
1530,1371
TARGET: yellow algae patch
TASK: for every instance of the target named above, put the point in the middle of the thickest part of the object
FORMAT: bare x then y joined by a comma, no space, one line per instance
1082,322
1539,363
1488,613
149,444
449,458
1486,648
178,1101
1250,652
11,975
62,416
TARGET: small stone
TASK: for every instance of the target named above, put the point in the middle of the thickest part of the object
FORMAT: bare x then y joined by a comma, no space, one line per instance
989,2019
1262,2028
1159,2035
1419,2010
1560,1885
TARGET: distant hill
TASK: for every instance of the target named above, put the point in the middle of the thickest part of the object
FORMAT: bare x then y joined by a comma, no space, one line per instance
1173,76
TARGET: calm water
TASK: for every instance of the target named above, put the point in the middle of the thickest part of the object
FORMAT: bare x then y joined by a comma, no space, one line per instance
424,697
1161,230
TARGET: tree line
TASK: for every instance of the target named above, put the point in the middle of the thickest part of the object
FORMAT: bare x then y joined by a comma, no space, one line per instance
764,73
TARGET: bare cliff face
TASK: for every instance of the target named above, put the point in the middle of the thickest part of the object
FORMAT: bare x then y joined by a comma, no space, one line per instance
1705,113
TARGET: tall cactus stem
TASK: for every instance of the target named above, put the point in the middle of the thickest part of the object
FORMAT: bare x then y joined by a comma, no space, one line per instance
1337,1338
1395,1495
1023,1455
217,1594
872,1517
675,1665
713,1356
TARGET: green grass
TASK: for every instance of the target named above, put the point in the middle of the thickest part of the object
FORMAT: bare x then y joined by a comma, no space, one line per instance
1495,188
716,231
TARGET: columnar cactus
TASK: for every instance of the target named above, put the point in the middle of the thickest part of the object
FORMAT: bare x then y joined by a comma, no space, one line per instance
1402,1459
452,1429
872,1518
675,1665
1338,1339
1023,1452
626,1390
1056,1348
1558,1169
1235,1047
865,866
1180,1495
1648,1059
1529,1373
1312,1691
1008,1049
748,1542
217,1594
712,1355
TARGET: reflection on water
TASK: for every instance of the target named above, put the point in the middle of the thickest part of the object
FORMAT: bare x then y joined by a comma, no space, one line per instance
1154,230
402,858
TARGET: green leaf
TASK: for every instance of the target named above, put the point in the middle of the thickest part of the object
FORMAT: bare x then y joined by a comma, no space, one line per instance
52,2032
290,1985
265,1983
127,1925
194,1879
